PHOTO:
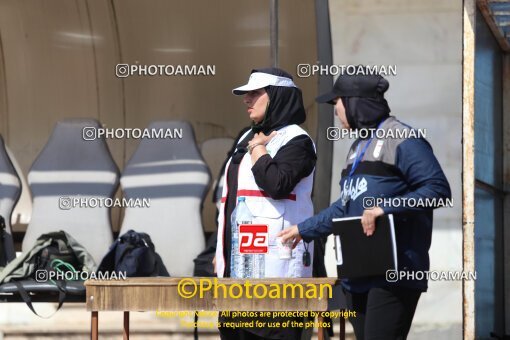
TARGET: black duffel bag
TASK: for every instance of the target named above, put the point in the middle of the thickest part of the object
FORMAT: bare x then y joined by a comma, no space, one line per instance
133,255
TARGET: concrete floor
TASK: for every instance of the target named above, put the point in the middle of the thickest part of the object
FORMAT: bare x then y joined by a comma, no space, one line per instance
72,322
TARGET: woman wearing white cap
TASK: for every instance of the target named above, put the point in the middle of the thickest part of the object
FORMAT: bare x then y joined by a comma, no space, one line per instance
272,167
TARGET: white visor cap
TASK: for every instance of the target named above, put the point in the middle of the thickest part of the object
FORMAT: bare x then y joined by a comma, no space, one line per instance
259,80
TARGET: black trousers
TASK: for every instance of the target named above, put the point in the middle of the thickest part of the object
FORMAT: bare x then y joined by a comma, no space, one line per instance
382,313
242,334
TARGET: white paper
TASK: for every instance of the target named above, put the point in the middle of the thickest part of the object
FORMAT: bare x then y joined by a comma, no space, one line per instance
393,240
338,251
346,218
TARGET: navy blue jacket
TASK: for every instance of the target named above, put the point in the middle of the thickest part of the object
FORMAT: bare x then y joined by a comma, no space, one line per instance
391,167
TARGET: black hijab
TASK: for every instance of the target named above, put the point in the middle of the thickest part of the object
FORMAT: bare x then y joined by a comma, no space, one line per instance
285,108
367,112
285,105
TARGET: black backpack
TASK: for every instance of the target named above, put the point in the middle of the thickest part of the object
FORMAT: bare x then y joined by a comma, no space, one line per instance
203,262
3,255
134,255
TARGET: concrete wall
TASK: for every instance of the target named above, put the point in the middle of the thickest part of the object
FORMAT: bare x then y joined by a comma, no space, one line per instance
424,40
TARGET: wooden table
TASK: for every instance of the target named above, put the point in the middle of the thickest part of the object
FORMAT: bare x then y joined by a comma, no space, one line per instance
161,294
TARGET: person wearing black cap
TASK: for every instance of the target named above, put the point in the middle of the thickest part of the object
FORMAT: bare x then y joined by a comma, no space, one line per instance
272,168
403,168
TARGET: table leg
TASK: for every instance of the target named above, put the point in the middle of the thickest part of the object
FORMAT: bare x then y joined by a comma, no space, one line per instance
320,329
94,331
342,328
126,326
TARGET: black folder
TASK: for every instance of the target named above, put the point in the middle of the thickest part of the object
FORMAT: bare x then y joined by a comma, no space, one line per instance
359,255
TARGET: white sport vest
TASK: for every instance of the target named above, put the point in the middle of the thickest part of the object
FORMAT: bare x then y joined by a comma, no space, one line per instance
277,214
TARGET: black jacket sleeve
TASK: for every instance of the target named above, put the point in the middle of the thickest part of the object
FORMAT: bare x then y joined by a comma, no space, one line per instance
279,175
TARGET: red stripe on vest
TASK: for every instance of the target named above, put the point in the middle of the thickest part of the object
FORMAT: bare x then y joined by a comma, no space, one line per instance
258,193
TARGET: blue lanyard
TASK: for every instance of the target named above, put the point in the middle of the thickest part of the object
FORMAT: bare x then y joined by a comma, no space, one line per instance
359,157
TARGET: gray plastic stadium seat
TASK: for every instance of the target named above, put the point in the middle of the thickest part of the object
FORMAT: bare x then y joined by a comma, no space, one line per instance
23,208
10,190
70,166
172,174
